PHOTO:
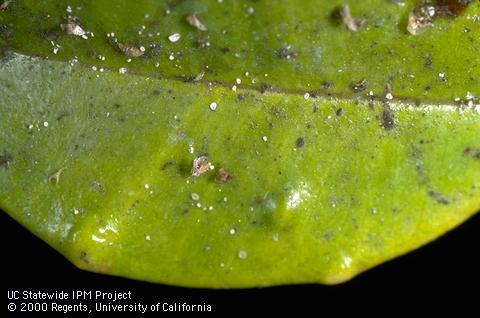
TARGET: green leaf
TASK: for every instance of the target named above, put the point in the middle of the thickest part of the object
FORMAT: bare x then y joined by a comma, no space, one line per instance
335,151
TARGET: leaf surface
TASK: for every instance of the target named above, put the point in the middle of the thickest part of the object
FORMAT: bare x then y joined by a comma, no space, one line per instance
343,149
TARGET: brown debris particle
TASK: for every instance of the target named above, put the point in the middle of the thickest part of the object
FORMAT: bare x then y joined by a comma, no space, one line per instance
55,178
129,50
193,21
425,14
223,176
199,76
200,166
353,24
72,26
359,86
5,4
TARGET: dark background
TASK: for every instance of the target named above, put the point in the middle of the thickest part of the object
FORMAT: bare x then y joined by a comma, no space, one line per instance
443,273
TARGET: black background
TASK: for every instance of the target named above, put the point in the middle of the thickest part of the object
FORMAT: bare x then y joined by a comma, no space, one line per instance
436,275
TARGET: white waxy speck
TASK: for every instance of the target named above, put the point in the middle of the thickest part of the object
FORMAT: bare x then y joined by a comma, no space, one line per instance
242,254
234,88
147,186
122,70
247,74
45,124
129,60
275,237
210,208
225,199
147,237
94,68
195,196
389,96
171,57
347,262
191,149
441,75
265,138
69,9
238,81
97,239
142,48
213,106
373,210
75,211
306,96
55,47
232,232
174,37
199,205
250,10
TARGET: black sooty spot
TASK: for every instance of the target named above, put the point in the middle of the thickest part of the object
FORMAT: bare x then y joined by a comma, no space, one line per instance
300,142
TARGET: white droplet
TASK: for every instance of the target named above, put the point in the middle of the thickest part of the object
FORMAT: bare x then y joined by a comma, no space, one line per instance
265,138
122,70
238,81
174,37
147,186
213,106
306,96
275,237
195,197
242,254
147,237
232,231
389,96
45,123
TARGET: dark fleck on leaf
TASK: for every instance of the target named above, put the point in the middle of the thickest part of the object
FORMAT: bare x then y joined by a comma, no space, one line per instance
5,32
300,142
388,121
5,160
360,85
438,197
287,53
